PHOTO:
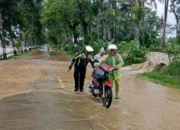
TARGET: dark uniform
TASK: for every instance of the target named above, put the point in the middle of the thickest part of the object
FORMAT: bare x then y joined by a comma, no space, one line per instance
81,61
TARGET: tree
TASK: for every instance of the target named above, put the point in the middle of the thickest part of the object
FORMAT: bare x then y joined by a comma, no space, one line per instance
64,11
175,9
166,6
87,11
100,20
3,6
139,12
18,16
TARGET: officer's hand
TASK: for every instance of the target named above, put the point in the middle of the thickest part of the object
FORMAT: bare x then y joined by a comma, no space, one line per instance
69,70
116,68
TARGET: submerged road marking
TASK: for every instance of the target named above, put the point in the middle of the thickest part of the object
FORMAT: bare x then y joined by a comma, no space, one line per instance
60,82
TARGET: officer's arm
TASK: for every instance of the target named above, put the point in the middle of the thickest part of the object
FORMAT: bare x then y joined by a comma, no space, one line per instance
92,62
73,60
121,61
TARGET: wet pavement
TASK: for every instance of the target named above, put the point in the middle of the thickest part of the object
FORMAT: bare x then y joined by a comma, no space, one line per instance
36,93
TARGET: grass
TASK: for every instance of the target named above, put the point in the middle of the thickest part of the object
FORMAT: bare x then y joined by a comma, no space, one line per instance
163,79
168,76
20,55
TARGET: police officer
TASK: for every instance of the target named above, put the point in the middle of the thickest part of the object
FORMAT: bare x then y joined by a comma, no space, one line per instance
81,59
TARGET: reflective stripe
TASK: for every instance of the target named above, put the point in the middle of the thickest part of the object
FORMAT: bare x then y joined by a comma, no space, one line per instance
77,56
81,55
73,60
92,58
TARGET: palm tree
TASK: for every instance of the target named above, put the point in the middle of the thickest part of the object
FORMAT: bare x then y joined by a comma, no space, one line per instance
166,5
139,3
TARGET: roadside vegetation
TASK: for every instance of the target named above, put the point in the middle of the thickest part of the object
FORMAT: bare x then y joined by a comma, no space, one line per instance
168,75
20,25
133,27
69,25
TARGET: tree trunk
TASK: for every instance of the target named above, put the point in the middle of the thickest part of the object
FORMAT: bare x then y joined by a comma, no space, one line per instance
137,24
86,38
83,22
25,45
2,38
97,26
115,22
19,40
137,32
166,4
75,36
109,35
173,9
3,45
104,30
14,47
20,44
143,28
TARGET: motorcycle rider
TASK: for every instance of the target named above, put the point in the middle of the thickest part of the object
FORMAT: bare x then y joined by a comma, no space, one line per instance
81,59
115,60
98,56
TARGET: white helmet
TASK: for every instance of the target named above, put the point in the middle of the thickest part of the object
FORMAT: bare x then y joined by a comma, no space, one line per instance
89,49
112,47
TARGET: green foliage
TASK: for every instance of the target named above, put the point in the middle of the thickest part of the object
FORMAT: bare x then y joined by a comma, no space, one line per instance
138,13
172,69
163,79
72,50
172,48
98,44
24,17
132,53
111,12
169,75
92,20
178,40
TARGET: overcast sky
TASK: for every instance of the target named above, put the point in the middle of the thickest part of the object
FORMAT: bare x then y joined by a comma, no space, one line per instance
160,12
170,18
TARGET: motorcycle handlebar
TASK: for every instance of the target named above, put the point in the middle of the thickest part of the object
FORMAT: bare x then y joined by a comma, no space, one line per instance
106,69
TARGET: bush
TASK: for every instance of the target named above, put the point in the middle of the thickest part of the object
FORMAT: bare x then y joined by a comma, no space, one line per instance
169,75
172,69
98,44
132,53
160,77
73,50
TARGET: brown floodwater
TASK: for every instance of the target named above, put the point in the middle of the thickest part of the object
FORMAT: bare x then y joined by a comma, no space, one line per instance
49,103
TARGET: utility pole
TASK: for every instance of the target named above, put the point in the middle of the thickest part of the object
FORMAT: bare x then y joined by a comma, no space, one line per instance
115,22
166,5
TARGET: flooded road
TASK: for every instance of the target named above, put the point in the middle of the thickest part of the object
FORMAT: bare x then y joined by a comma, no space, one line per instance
36,93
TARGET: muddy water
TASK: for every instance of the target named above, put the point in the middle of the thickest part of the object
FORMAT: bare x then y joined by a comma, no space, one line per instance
48,106
53,55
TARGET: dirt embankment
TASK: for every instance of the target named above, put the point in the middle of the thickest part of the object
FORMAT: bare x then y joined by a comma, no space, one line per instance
153,60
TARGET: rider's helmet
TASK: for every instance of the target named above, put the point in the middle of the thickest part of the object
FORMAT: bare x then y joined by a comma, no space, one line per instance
112,47
89,49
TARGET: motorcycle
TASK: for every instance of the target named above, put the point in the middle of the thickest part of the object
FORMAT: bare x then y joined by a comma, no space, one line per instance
101,86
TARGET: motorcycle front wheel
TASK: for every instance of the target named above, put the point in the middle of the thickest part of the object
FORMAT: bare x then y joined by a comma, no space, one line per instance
107,100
